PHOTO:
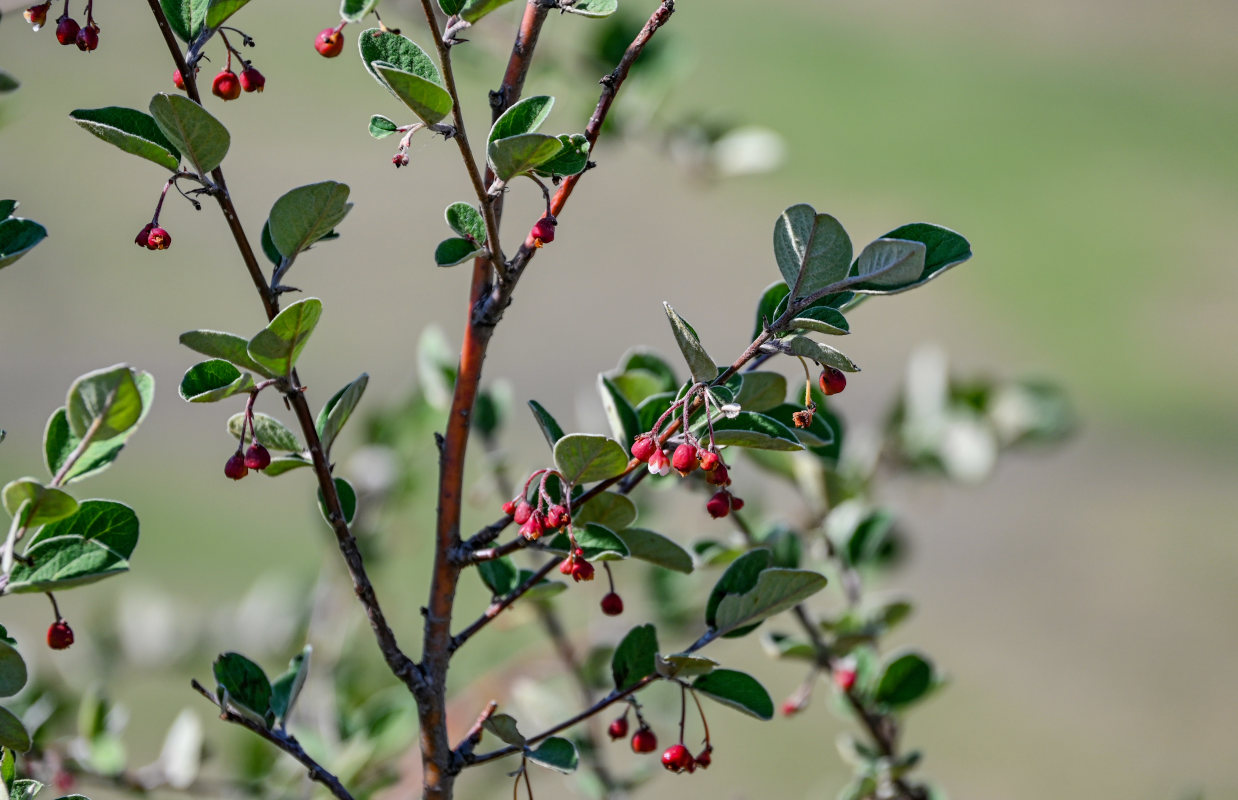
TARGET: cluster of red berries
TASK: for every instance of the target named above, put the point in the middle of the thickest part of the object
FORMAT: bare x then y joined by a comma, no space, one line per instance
68,32
685,460
677,757
227,85
256,457
152,237
533,521
330,41
59,635
543,231
580,569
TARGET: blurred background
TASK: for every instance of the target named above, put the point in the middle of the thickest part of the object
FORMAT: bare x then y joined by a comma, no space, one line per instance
1081,598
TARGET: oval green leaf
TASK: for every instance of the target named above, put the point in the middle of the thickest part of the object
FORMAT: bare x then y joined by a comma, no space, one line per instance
701,366
585,458
519,154
12,670
191,130
656,549
305,214
739,690
13,734
599,543
812,250
455,250
821,353
555,753
635,658
776,590
525,116
214,380
131,130
278,346
759,431
424,97
270,432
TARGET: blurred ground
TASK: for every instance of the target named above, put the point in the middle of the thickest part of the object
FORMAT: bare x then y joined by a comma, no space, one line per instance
1080,600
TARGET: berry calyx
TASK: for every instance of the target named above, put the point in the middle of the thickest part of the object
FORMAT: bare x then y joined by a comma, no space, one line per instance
257,457
543,231
534,527
59,635
677,759
235,468
685,459
644,740
67,30
719,505
644,447
158,239
704,759
88,38
226,85
252,80
617,729
143,237
659,464
832,381
330,42
612,606
37,15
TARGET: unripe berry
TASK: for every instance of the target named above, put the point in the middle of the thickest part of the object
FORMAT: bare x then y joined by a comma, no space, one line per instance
543,231
705,759
612,606
617,729
844,677
644,741
59,635
522,513
644,447
252,80
158,239
66,31
719,505
832,381
88,38
509,508
143,237
37,15
235,468
659,464
257,457
710,460
684,460
178,80
330,42
226,85
677,758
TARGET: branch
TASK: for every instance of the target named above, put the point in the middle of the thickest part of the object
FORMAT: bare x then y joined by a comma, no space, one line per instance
498,606
283,741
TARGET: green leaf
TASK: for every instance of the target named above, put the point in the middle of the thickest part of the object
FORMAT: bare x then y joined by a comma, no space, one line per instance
426,98
599,543
133,131
656,549
46,503
812,250
227,346
7,207
822,319
12,670
192,130
105,401
761,391
268,245
13,734
543,590
354,10
888,265
451,7
474,10
555,753
701,366
214,380
287,687
751,429
88,546
455,250
516,155
817,434
269,431
739,690
381,127
776,590
821,353
525,116
592,8
348,501
779,645
585,458
399,52
467,221
740,577
24,789
281,464
505,727
337,411
178,13
572,159
684,665
549,426
635,658
624,423
943,249
59,441
904,680
8,766
219,10
18,236
278,346
771,299
305,214
647,361
500,575
246,684
615,511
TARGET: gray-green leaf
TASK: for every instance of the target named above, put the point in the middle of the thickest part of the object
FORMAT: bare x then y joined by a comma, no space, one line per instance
739,690
812,250
192,130
133,131
701,366
305,214
424,97
278,346
585,458
775,590
269,431
516,155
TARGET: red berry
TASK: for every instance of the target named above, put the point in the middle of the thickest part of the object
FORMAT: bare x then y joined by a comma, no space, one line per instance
400,159
178,80
330,42
612,606
252,80
158,239
522,513
59,635
235,468
709,460
143,237
719,505
644,447
832,381
257,457
644,741
677,759
736,503
509,508
719,476
37,15
618,729
791,707
66,31
582,571
88,38
705,759
226,86
534,527
555,516
684,460
543,231
844,678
